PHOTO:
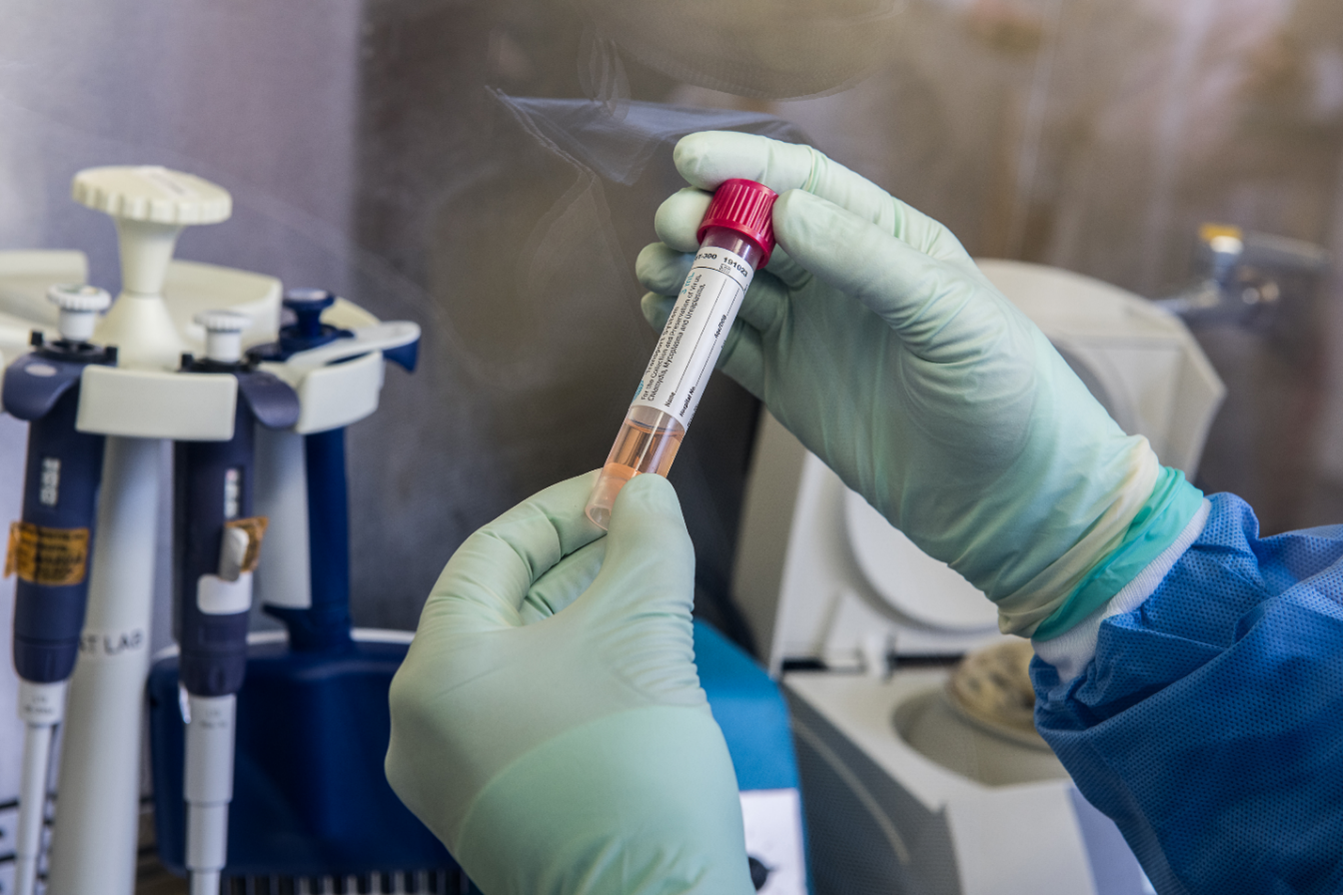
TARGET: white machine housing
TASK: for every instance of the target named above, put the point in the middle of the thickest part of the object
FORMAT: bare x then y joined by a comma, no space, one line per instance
901,794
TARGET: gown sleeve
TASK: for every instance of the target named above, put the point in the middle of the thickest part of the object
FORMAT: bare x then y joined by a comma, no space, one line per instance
1209,723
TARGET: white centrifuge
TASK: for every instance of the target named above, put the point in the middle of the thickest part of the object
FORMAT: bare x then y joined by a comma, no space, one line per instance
918,777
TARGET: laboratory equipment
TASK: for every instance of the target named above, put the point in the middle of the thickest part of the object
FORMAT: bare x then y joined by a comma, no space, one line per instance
143,401
905,789
49,549
149,205
1246,276
314,607
736,236
25,280
218,545
311,805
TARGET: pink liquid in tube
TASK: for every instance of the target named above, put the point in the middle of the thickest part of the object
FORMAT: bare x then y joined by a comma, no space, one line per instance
736,237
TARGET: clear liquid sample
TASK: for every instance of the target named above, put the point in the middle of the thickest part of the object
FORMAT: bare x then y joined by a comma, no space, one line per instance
647,442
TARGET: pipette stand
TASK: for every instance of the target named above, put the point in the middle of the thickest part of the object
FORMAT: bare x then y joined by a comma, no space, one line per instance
140,404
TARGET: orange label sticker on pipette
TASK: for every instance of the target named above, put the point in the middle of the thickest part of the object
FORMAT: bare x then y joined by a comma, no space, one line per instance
51,557
255,526
11,558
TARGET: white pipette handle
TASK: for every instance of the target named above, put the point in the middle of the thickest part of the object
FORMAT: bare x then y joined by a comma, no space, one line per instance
41,707
208,788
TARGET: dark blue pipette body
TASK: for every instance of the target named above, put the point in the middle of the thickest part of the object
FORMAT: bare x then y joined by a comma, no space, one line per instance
213,492
60,488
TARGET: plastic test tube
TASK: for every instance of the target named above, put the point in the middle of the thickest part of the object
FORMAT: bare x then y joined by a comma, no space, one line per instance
736,237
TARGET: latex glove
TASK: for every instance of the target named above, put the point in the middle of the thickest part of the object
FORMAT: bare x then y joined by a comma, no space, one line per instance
875,339
548,724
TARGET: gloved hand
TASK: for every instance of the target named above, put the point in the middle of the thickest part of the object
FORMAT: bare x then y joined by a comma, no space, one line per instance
874,338
548,724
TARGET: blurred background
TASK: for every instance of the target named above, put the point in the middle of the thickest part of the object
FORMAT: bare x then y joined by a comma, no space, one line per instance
389,150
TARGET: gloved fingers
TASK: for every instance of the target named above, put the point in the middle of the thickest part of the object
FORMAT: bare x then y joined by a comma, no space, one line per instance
677,224
743,358
765,301
563,584
708,158
649,564
487,580
677,219
656,309
932,304
661,269
641,599
786,270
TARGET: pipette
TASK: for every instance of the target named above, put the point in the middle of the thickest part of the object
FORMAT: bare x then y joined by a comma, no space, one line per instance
49,549
217,548
736,236
314,801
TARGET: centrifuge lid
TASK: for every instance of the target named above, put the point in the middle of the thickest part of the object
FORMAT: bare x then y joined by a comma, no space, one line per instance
915,585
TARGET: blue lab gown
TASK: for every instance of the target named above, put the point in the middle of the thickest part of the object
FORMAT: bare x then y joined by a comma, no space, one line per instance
1209,725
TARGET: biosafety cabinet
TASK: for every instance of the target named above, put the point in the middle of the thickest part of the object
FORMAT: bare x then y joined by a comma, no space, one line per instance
922,774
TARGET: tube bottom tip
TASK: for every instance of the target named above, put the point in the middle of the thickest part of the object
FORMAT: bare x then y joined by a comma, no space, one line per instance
599,516
603,496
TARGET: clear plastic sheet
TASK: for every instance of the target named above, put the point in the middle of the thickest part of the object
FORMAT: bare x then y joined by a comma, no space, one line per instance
769,49
617,143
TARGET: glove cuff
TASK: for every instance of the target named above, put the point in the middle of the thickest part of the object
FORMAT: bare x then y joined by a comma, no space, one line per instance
1167,512
641,801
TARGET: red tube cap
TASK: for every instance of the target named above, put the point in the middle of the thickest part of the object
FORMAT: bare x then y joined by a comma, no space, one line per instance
743,206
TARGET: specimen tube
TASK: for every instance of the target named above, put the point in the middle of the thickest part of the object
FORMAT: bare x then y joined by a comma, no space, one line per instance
736,236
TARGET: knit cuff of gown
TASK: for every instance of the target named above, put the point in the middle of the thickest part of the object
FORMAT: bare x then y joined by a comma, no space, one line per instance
1145,516
1161,521
1070,652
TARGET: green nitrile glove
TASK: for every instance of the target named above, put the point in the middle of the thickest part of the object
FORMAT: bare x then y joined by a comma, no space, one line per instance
548,724
875,339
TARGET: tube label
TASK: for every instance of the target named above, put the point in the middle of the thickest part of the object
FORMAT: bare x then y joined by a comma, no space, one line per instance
693,337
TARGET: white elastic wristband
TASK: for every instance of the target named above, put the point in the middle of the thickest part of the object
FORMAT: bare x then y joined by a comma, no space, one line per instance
1069,653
